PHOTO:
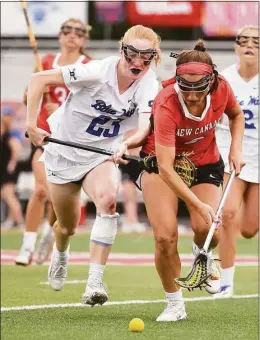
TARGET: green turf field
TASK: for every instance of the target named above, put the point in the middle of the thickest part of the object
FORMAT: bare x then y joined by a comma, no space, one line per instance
207,319
128,243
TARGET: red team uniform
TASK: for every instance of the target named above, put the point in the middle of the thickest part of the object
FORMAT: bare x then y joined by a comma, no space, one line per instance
59,93
175,127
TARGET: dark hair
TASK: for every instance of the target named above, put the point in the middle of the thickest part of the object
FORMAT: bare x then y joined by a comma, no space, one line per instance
199,54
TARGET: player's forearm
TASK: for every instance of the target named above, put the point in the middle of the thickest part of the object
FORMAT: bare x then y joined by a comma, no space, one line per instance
237,126
138,139
34,95
170,177
36,89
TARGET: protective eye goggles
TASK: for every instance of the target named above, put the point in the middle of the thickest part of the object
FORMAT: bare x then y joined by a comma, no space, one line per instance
198,86
242,40
79,31
146,56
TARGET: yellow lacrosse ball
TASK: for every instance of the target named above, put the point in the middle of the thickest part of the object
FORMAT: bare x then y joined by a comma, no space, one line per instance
136,325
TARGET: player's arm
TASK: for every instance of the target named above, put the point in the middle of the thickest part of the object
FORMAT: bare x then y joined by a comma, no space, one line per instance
36,87
165,133
139,137
165,158
237,126
35,70
145,100
135,140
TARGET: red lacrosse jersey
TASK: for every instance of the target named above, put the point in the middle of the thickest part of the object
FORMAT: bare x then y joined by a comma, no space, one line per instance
175,126
59,93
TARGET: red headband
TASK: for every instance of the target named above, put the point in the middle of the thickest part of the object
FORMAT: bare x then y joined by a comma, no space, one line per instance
194,68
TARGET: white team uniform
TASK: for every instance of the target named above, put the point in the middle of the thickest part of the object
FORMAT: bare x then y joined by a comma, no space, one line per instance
248,98
94,114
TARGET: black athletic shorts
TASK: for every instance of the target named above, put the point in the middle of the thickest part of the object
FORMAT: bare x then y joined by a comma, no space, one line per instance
210,173
6,177
130,171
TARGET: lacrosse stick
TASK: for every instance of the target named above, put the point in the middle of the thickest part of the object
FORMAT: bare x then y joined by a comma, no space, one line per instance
200,270
88,148
33,43
182,165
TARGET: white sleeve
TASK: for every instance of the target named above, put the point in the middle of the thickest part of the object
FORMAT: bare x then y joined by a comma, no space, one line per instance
146,93
79,75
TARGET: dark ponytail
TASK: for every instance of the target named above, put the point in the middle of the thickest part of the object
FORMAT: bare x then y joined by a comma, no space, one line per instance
200,46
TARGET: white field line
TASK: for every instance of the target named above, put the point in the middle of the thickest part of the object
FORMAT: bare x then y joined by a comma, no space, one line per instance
71,282
117,303
238,264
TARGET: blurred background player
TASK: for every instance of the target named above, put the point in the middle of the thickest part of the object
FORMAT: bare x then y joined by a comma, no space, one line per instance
10,152
130,221
72,37
242,206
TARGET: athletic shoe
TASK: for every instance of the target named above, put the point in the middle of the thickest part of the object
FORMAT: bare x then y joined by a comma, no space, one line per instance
134,228
7,224
58,269
224,292
141,228
24,258
175,311
95,293
45,245
213,282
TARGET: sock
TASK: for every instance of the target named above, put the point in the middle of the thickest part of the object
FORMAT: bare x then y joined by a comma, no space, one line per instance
61,253
227,276
196,249
172,297
96,272
45,228
29,240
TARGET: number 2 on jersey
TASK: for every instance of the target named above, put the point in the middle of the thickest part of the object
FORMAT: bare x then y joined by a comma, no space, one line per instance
95,130
248,117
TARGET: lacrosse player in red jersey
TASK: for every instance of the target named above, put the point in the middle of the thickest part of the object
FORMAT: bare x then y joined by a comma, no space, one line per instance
184,116
108,98
244,80
72,37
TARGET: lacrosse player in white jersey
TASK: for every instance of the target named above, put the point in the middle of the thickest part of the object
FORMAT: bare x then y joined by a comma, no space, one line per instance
107,99
241,209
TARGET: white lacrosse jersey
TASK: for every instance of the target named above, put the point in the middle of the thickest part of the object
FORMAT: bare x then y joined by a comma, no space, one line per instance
247,96
95,113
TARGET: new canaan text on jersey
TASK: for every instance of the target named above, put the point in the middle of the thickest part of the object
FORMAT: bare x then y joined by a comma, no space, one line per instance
197,131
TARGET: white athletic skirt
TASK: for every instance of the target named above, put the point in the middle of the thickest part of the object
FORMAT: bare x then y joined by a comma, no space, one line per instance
60,170
250,172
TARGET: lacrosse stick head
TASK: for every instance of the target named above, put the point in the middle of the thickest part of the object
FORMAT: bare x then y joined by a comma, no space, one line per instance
185,169
198,274
182,165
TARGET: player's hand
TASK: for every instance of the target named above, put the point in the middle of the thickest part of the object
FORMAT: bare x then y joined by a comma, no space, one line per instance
208,214
117,156
236,161
51,107
37,135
